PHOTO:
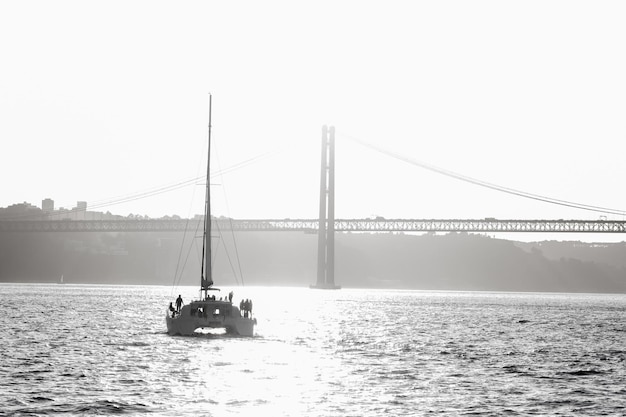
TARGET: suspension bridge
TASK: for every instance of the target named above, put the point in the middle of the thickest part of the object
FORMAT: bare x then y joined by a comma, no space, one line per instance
312,225
326,217
326,225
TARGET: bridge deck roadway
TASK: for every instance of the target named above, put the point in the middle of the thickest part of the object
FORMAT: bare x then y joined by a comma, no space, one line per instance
311,225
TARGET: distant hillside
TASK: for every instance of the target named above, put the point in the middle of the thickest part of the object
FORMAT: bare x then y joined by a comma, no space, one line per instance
433,262
603,253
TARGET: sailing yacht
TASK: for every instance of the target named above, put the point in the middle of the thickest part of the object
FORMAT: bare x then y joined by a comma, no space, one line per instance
208,312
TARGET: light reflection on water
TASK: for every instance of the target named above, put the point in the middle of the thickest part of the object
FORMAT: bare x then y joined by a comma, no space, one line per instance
103,349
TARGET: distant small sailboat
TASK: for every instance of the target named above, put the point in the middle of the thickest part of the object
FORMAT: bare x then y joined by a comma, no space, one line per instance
208,312
61,280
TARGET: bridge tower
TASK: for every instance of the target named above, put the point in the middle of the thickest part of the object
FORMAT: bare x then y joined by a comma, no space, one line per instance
326,230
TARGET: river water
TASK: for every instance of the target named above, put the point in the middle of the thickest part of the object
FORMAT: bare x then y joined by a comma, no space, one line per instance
81,350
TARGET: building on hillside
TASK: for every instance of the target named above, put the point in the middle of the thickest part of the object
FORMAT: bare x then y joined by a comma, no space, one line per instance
47,205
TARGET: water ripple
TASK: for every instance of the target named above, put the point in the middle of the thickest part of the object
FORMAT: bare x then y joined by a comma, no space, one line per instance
102,350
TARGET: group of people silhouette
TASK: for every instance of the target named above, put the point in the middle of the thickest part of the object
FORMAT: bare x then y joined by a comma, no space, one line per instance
214,298
179,303
246,307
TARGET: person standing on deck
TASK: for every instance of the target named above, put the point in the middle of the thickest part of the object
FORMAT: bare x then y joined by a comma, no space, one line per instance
179,303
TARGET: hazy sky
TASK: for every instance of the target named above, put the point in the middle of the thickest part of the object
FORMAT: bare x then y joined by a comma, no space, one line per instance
106,99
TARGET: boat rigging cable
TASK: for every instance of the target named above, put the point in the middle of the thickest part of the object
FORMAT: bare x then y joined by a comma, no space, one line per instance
206,268
178,272
206,274
232,267
485,184
232,230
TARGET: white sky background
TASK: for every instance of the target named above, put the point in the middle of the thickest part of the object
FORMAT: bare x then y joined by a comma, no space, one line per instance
107,99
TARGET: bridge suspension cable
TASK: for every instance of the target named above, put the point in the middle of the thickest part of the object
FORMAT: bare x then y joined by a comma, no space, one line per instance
151,192
485,184
175,186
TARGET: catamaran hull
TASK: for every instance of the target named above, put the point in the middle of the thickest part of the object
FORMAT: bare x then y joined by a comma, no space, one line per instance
186,324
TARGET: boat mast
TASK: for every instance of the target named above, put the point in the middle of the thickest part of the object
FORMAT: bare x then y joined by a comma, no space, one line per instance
207,282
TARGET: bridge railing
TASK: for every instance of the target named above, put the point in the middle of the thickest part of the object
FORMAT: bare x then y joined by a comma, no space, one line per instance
311,225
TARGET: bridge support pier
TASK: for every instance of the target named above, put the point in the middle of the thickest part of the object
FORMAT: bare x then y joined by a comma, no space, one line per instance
326,230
